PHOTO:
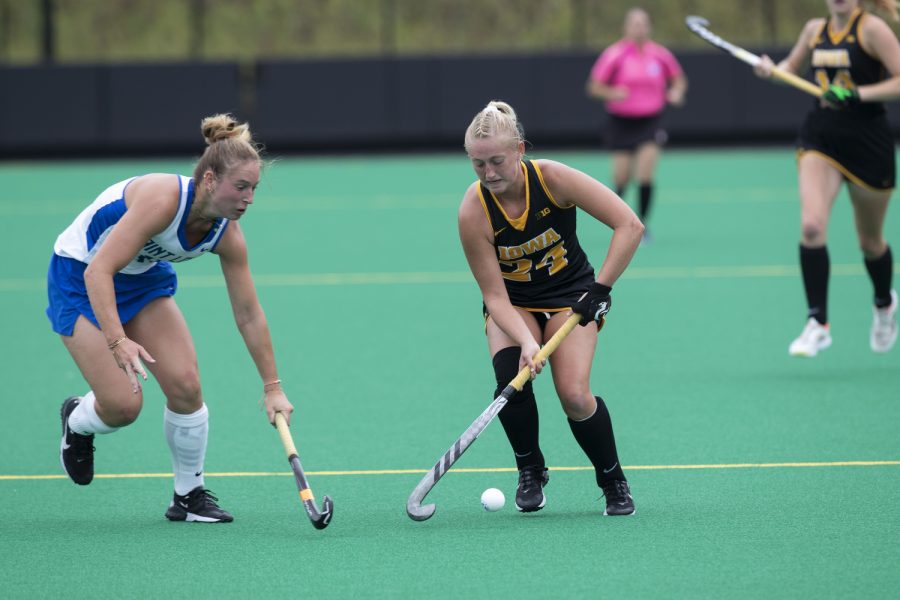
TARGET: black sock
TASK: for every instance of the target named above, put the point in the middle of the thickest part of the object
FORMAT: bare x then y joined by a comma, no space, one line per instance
815,266
620,189
645,194
595,436
881,271
520,415
520,422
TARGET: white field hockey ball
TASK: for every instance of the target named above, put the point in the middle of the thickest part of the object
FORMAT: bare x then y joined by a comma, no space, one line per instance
492,499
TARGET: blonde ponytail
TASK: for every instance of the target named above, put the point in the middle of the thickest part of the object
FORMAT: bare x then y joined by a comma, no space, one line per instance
887,8
497,119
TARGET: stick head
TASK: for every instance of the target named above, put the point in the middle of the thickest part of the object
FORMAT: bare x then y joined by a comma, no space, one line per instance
694,22
418,512
321,518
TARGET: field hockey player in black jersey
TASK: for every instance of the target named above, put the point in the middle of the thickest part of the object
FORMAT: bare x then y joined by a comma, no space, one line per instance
846,138
517,227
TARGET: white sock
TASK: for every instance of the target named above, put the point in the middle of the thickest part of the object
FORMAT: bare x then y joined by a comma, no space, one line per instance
85,420
187,435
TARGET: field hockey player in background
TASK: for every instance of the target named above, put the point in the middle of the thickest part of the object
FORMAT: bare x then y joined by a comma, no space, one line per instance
855,57
517,227
636,78
110,287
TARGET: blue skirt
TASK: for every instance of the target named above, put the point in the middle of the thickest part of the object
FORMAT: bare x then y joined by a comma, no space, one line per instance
68,297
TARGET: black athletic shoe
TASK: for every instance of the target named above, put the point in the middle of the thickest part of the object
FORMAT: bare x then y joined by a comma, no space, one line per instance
197,505
530,493
76,451
618,498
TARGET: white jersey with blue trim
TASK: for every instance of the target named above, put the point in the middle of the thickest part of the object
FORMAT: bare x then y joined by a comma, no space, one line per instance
84,237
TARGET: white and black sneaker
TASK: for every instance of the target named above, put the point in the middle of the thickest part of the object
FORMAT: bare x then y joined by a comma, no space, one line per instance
618,498
812,339
197,505
76,451
530,492
884,326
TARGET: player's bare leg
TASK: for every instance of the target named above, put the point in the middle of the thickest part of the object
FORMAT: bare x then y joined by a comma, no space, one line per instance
819,183
109,404
622,164
160,328
870,210
588,415
646,157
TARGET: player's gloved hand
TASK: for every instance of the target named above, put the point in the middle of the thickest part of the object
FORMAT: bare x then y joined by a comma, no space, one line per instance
840,97
594,304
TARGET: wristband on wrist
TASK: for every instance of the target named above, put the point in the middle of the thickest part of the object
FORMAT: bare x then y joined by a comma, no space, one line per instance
114,344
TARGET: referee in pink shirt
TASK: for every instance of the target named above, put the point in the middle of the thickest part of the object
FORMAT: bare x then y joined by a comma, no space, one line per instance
636,77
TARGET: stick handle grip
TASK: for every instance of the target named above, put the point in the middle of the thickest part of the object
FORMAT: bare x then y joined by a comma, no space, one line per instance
285,433
548,348
798,82
778,73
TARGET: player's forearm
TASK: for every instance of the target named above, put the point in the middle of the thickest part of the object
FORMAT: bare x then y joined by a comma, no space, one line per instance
507,318
102,295
258,340
624,243
598,91
680,84
883,91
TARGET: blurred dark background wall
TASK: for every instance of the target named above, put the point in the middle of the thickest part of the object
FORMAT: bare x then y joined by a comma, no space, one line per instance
379,103
135,76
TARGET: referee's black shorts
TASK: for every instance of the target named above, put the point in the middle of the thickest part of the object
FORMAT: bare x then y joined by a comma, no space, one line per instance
627,133
861,147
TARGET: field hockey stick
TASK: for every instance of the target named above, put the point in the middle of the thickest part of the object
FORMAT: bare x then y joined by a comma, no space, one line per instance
319,518
699,26
414,507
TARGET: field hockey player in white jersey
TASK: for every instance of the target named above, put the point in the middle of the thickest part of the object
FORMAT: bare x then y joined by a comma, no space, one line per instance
111,286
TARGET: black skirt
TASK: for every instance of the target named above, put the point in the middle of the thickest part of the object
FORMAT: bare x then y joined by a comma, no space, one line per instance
860,146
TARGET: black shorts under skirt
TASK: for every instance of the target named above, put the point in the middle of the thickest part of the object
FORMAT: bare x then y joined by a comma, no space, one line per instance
861,148
627,133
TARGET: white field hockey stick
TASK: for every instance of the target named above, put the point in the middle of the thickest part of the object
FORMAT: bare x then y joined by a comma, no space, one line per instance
414,507
699,26
319,518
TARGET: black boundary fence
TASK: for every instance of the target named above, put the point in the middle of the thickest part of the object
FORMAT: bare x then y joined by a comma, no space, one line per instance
366,104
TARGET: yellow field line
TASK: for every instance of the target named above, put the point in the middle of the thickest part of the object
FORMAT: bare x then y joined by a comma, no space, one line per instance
787,465
429,277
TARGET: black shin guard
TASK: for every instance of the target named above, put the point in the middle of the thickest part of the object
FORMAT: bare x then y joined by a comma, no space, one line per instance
645,197
816,266
520,416
595,436
881,271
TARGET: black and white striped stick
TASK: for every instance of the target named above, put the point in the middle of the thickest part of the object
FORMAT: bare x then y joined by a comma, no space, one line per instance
699,26
414,507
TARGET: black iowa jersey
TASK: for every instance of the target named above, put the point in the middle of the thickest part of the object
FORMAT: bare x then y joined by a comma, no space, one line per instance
543,265
838,58
857,139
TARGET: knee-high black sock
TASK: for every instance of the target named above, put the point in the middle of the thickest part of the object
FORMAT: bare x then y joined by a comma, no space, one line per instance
520,416
881,271
620,189
816,266
645,196
595,436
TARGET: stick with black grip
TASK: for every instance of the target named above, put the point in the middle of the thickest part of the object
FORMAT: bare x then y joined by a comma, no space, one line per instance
319,518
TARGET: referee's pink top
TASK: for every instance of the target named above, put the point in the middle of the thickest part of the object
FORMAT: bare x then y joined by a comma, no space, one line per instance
645,71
